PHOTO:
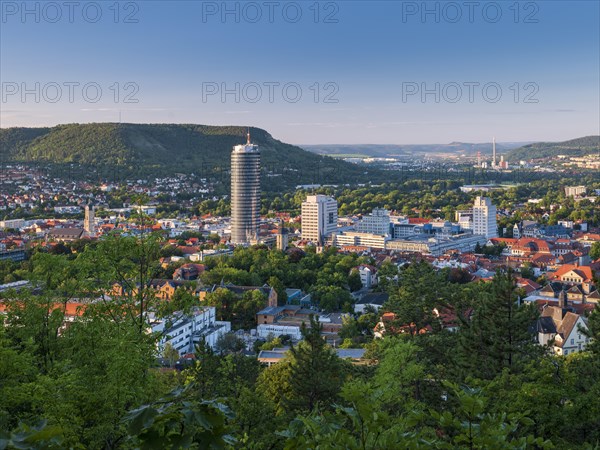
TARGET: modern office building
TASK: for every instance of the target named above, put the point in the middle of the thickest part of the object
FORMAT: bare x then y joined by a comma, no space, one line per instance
484,218
245,193
351,238
319,218
378,222
436,245
465,219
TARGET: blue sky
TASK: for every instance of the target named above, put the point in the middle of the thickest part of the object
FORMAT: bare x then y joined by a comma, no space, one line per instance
533,72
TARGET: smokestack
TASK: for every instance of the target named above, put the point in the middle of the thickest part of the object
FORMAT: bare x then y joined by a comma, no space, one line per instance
494,151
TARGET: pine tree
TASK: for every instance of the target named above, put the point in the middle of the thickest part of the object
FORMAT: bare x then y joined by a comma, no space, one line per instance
205,370
420,290
498,335
316,371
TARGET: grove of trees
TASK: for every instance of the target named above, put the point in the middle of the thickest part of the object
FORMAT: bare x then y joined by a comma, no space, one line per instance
94,382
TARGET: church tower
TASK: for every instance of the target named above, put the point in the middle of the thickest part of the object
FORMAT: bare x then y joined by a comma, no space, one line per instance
89,222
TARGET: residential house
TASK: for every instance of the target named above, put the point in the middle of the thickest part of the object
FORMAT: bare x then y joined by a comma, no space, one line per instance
561,328
188,272
368,275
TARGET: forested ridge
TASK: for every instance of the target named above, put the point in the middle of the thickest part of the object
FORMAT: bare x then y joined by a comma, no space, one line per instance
574,147
144,150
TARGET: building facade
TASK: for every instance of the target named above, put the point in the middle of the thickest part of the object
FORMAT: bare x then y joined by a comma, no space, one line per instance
185,331
378,222
484,218
359,239
319,218
245,193
574,191
436,246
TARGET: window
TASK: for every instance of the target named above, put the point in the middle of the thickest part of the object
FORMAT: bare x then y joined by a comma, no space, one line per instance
572,341
566,352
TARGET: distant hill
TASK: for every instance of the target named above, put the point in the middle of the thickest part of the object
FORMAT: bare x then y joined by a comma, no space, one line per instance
165,149
383,151
575,147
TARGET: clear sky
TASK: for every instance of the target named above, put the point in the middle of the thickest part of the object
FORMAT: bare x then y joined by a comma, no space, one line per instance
523,71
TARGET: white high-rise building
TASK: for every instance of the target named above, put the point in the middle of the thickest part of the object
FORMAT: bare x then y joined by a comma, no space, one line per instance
484,218
319,218
245,193
378,222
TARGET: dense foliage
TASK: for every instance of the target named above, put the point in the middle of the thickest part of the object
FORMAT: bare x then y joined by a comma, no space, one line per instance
95,383
324,275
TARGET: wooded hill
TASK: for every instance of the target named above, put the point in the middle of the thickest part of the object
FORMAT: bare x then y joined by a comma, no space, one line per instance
575,147
146,150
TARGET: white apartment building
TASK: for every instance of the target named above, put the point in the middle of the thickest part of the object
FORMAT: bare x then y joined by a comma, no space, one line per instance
185,331
14,223
319,218
574,191
484,218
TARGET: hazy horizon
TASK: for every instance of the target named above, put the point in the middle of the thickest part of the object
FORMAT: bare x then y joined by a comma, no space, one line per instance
318,73
461,141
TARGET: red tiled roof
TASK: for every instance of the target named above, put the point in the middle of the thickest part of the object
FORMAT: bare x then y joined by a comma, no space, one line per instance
418,220
529,285
532,244
584,272
507,241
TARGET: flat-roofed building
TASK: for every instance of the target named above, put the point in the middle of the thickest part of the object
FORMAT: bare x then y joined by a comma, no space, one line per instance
378,222
359,239
319,218
484,218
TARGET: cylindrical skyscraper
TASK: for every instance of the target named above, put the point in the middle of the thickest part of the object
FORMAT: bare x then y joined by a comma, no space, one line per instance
245,193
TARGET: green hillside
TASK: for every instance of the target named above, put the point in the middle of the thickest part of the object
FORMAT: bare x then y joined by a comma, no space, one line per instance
162,149
575,147
16,140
